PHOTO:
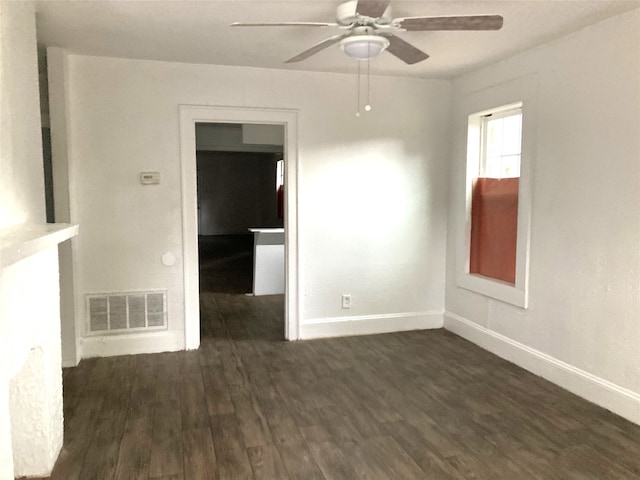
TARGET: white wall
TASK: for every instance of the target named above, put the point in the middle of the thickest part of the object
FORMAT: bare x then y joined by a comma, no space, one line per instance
581,328
30,374
21,168
372,189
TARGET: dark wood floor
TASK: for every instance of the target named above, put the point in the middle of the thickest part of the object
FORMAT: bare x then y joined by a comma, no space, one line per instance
411,405
226,263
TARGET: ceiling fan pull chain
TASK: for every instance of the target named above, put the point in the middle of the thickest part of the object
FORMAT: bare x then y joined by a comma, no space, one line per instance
367,107
358,91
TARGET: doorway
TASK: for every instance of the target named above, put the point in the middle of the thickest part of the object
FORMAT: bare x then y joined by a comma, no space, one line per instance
190,116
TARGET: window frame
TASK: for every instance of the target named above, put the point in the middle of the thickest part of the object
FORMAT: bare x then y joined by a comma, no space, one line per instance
513,294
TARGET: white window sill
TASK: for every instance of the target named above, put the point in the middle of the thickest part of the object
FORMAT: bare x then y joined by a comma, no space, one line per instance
497,289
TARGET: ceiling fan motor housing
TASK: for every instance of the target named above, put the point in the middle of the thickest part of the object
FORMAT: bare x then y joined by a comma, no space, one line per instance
346,14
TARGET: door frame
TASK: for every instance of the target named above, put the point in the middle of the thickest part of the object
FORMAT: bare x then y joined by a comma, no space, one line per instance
189,116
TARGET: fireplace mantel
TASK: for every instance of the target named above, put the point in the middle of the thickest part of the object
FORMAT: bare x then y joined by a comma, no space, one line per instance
21,241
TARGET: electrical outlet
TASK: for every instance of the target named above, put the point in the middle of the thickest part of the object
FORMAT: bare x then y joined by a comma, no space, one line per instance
346,300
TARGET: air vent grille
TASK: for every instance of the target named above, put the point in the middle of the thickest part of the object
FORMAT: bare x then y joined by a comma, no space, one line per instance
126,312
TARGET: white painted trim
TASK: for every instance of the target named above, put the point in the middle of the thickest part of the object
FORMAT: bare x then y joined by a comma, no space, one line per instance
132,344
189,115
493,288
369,324
65,198
619,400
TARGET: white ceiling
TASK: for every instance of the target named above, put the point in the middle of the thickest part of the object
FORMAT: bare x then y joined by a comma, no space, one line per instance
199,32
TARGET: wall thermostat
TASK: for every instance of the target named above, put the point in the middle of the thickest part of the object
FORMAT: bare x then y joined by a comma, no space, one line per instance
150,178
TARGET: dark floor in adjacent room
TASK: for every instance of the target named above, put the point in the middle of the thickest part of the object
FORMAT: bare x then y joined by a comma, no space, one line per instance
226,263
247,405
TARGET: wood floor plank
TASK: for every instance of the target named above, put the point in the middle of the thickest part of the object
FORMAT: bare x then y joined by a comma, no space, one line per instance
290,443
217,393
298,401
583,462
297,458
332,461
368,397
266,463
195,413
340,427
350,405
169,366
101,459
199,454
418,445
251,418
166,447
232,459
387,456
166,453
135,449
540,464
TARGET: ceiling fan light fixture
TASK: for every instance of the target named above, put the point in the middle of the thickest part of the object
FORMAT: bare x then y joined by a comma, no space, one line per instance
364,47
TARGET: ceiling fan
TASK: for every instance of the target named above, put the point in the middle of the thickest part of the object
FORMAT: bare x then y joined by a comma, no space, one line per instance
369,29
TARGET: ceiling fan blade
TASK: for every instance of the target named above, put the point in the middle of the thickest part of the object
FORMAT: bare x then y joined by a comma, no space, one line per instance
372,8
284,24
317,48
404,50
464,22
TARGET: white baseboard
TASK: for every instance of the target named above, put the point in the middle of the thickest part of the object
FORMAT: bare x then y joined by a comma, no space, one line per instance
69,363
369,324
619,400
73,361
132,344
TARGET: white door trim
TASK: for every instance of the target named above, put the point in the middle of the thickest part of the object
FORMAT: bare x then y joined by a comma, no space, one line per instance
189,115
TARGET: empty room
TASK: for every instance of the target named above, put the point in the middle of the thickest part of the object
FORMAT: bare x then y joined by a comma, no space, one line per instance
298,239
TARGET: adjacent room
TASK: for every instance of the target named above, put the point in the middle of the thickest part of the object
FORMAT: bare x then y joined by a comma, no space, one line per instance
309,239
240,189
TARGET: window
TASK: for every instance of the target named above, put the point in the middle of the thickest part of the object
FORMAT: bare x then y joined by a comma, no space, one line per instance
493,249
279,174
494,199
501,144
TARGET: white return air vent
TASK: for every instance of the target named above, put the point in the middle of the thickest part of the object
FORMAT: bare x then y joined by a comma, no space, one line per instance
124,312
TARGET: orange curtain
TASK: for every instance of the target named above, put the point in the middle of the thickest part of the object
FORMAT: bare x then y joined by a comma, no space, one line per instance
280,201
494,227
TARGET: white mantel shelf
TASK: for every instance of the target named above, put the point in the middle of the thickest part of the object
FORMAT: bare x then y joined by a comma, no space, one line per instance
21,241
